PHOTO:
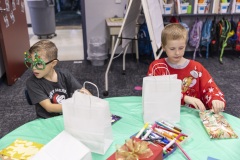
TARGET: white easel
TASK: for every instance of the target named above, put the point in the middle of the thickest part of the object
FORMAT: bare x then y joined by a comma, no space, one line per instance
154,20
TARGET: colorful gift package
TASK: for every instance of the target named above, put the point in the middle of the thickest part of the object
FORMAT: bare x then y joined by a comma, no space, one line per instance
216,125
135,148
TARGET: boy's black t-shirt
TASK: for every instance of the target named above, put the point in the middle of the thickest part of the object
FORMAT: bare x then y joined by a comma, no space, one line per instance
41,89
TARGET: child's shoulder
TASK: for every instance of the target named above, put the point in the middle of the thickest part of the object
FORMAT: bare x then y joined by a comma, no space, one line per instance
161,60
64,73
197,65
62,70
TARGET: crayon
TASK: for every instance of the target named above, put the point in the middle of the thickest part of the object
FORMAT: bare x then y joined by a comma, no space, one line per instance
142,130
171,143
172,126
149,131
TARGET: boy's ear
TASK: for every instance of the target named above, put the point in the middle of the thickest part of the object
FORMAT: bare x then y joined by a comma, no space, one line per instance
54,63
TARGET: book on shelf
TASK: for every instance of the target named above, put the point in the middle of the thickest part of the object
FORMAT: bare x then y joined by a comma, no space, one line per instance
208,8
177,6
232,6
215,6
195,6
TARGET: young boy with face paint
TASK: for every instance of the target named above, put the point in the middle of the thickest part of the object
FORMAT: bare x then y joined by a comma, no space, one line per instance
48,86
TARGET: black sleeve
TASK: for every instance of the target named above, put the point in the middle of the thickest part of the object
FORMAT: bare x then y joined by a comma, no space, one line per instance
35,91
72,82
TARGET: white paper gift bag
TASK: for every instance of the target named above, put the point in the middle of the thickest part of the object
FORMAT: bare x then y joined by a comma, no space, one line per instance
63,147
88,119
161,97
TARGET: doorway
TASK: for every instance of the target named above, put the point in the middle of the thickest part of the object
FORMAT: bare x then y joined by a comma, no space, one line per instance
68,13
68,29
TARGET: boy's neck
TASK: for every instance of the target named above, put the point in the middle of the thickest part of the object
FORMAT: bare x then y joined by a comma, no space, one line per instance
52,76
182,64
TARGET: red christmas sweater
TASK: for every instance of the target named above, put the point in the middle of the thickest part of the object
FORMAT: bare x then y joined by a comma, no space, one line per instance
196,80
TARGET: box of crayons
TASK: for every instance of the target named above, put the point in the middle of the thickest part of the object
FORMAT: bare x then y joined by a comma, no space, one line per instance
168,136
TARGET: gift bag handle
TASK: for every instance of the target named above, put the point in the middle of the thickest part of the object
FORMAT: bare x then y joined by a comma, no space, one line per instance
155,67
93,85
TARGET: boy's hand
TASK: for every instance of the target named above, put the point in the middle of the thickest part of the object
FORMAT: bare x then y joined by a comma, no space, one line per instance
218,106
197,103
85,91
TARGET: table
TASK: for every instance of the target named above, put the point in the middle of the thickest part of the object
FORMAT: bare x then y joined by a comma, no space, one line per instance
199,146
114,29
114,26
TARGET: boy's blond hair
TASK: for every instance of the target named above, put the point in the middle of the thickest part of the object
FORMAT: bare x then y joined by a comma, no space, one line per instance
45,48
174,31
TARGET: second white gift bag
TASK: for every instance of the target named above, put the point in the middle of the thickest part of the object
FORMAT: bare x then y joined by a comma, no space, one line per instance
161,98
63,147
88,119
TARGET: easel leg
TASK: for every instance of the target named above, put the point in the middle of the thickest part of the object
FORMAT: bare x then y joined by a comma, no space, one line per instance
113,43
124,59
136,45
105,93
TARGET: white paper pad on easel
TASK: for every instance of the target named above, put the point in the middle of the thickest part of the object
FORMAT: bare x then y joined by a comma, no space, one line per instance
62,147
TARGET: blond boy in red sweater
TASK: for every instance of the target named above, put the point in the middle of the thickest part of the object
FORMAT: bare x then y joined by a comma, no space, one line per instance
198,87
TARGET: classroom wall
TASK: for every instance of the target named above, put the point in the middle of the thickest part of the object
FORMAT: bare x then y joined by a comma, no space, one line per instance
96,11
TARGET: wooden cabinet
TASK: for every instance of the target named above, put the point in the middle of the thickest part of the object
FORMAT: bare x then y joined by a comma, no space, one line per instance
14,39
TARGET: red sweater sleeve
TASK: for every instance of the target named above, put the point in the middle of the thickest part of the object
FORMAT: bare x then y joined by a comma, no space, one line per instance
209,90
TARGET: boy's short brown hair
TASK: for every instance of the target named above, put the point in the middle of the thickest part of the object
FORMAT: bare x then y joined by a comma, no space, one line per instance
45,48
174,31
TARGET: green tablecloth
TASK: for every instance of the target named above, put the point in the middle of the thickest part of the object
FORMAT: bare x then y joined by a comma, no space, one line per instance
198,146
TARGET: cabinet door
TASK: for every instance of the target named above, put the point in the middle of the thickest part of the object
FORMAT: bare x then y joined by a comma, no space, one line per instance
14,38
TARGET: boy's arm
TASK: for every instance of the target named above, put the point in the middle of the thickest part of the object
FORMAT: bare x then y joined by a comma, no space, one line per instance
212,96
85,91
57,108
72,83
197,103
51,107
218,106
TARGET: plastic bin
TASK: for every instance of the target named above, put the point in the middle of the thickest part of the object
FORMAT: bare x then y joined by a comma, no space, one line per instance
184,7
224,7
97,51
237,9
167,8
42,14
201,7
